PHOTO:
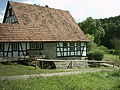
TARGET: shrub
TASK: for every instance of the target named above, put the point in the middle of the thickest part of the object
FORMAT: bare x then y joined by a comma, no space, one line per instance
92,46
95,55
104,49
98,55
90,55
112,51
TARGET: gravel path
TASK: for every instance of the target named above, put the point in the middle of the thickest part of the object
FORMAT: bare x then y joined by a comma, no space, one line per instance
49,75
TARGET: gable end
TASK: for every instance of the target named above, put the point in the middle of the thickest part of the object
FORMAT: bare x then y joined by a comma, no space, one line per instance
9,15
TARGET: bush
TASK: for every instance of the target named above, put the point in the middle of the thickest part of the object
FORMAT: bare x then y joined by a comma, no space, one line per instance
112,51
90,55
104,49
96,55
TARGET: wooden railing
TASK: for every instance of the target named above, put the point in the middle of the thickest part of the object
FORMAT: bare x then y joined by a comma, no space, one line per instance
88,61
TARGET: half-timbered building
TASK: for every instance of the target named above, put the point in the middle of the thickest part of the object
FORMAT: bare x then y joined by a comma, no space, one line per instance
47,31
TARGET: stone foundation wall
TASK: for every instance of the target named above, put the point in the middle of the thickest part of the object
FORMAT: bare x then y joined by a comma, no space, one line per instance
70,64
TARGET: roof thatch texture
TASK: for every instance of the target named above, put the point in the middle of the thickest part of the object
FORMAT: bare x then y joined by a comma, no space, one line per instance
37,23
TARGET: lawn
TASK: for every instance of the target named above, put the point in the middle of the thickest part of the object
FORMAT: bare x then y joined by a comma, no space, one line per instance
109,57
88,81
18,69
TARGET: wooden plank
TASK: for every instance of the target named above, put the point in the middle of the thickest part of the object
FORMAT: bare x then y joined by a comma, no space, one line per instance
74,60
5,59
109,65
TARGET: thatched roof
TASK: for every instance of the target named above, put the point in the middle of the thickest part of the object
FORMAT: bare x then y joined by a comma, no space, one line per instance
37,23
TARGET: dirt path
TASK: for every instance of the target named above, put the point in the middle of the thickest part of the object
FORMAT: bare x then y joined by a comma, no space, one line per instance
49,75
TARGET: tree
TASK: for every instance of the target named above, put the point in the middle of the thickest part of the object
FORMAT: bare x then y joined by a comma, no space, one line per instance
112,30
116,43
93,27
92,47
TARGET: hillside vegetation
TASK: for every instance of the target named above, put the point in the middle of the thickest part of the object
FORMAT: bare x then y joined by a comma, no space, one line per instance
103,33
112,30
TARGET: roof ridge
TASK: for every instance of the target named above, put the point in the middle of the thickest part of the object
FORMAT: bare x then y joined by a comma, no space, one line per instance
38,6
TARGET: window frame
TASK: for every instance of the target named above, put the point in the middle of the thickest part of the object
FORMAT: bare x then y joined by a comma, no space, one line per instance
36,46
15,46
1,46
77,51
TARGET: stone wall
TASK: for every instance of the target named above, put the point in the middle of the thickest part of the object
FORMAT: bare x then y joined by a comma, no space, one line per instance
70,64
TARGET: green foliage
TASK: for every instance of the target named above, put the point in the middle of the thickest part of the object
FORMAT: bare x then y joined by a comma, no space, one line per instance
117,63
17,69
93,27
112,51
88,26
116,43
109,57
90,55
115,73
98,55
112,30
93,46
95,52
95,55
102,29
90,37
88,81
104,49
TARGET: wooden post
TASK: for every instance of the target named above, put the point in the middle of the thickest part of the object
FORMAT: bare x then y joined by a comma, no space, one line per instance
35,63
113,64
42,64
71,64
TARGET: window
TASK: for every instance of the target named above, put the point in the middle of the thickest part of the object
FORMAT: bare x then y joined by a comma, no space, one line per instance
78,47
10,12
65,44
70,49
15,46
72,46
13,19
1,46
36,45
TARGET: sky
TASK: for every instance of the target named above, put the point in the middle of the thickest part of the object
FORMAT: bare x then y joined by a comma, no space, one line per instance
79,9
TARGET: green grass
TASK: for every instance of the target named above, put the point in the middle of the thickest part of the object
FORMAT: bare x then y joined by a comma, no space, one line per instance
109,57
17,69
87,81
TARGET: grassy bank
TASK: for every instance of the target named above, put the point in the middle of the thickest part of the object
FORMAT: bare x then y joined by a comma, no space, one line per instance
17,69
109,57
89,81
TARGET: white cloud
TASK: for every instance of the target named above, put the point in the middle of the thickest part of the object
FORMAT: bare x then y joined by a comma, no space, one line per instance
28,1
81,9
84,8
